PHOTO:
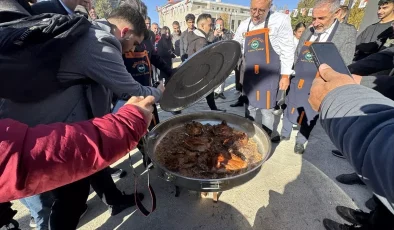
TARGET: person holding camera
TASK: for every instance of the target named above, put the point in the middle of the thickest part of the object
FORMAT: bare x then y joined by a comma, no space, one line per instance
220,34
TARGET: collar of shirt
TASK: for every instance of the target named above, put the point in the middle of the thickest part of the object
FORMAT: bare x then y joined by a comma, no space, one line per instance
324,36
70,12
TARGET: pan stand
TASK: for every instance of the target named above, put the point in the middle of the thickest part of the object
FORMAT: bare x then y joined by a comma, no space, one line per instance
215,195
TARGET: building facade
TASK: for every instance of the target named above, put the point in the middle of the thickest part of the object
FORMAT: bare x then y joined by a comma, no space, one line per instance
177,10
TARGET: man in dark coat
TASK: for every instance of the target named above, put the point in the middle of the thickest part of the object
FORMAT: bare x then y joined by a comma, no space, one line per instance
197,40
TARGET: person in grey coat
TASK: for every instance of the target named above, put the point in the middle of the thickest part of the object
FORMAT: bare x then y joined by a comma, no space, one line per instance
96,58
190,20
326,28
359,121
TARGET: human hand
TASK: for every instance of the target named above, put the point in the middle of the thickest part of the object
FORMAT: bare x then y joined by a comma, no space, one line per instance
284,83
216,33
161,86
144,105
328,81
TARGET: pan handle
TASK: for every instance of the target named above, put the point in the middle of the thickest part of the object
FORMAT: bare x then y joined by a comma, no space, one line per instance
210,185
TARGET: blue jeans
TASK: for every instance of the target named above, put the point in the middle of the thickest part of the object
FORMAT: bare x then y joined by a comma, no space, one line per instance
40,208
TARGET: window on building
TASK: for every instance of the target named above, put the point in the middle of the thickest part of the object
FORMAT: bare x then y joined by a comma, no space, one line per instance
217,8
198,7
239,22
232,24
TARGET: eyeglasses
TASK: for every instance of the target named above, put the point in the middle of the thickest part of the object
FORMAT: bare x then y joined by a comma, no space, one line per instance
254,10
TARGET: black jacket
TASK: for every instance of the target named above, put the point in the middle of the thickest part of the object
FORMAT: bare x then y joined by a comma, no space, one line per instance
154,58
51,6
196,41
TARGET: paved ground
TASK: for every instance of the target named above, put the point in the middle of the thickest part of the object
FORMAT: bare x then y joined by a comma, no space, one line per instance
290,192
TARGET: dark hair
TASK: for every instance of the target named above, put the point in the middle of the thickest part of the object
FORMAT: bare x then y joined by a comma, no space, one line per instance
220,19
132,16
165,28
148,18
299,25
190,17
383,2
203,17
136,4
176,23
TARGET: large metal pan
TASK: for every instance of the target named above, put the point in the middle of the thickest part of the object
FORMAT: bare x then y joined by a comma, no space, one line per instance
253,130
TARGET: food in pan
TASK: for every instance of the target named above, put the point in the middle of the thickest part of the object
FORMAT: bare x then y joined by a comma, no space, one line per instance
207,151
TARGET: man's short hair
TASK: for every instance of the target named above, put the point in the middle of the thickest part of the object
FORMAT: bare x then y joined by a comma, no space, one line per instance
155,24
147,18
190,17
176,23
203,17
334,5
136,4
132,16
383,2
220,19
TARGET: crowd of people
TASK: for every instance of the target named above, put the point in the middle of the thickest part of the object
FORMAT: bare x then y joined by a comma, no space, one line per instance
56,148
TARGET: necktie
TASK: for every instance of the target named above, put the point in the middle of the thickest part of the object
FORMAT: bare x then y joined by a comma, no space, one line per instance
318,37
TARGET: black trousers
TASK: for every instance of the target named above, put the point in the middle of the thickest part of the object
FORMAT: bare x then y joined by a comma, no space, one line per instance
238,85
70,199
211,101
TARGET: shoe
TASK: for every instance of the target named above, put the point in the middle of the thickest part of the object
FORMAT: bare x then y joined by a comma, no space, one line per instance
237,104
370,204
216,96
275,139
127,202
332,225
32,223
337,154
220,110
117,173
282,138
353,216
349,179
221,95
85,210
299,148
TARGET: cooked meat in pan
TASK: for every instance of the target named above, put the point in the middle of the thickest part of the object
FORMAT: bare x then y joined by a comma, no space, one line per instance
209,152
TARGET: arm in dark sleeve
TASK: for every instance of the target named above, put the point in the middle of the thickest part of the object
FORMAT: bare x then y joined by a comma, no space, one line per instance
160,49
182,44
104,64
201,43
159,63
374,63
42,158
360,123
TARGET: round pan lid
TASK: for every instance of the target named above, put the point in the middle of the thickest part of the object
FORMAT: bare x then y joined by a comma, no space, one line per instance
200,74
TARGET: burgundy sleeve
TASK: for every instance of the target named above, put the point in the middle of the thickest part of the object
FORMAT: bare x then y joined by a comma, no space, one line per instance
39,159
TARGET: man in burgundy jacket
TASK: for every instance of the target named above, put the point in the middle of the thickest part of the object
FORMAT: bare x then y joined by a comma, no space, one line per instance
45,157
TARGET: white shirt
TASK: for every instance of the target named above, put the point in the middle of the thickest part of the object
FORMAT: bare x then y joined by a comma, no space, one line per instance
295,42
70,12
324,36
280,35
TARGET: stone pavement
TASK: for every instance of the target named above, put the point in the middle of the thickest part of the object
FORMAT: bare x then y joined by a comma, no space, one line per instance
290,192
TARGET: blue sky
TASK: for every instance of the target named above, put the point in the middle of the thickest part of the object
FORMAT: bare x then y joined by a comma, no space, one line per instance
291,4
